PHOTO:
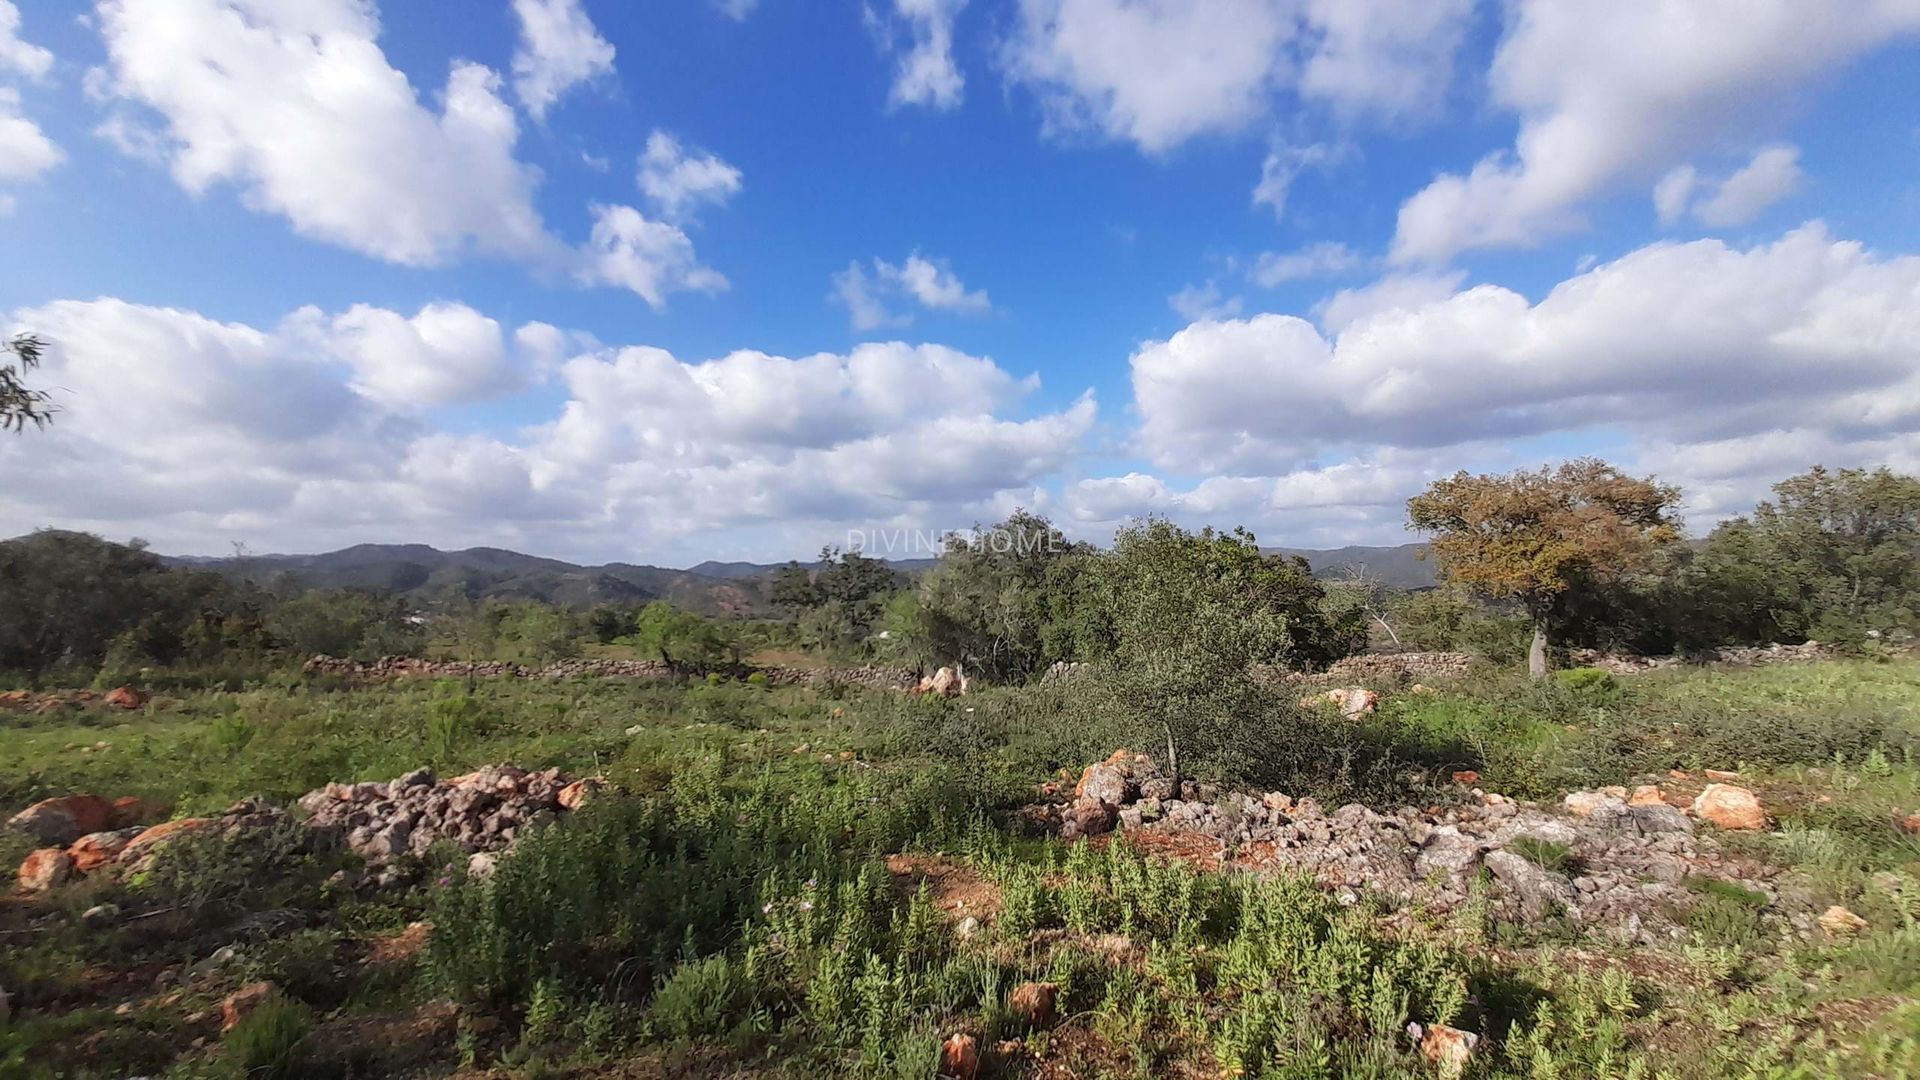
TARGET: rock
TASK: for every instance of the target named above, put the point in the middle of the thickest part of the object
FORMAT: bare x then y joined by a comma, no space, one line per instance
1352,701
968,929
1584,803
1646,795
243,1002
1448,1049
1838,922
399,786
95,850
1088,817
44,869
65,819
1466,777
1033,1003
481,864
1103,783
960,1057
125,697
1720,774
1730,807
1538,889
575,795
130,810
946,683
1660,818
149,840
1911,824
1447,851
100,915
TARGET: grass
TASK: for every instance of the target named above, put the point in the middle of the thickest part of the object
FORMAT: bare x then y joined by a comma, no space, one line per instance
728,908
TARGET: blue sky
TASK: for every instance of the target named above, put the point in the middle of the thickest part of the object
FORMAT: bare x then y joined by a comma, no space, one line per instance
687,280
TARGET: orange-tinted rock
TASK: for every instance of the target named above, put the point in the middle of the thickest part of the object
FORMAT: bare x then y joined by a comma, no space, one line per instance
1720,774
65,819
1646,795
243,1002
574,795
1033,1003
95,850
1448,1049
1730,807
129,810
45,868
144,844
125,697
1911,824
960,1058
1838,922
1467,777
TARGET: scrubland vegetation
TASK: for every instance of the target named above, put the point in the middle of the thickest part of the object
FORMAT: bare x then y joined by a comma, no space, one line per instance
827,881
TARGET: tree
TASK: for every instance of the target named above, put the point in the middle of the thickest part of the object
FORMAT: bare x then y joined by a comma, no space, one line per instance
20,406
1360,590
1531,536
1004,600
1190,614
684,641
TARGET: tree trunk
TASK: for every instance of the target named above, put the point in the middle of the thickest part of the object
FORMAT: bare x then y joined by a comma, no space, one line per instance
1537,652
1173,759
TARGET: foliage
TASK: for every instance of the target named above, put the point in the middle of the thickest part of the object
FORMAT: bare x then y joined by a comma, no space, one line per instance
344,622
19,405
1005,601
836,605
1532,536
684,641
273,1042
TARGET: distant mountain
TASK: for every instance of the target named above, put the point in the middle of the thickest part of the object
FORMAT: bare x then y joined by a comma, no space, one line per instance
715,588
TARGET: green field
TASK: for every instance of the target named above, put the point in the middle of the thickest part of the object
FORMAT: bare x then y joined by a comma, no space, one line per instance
775,883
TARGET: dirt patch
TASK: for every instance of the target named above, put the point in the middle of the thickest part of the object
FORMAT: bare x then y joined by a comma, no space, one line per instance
394,1041
956,889
396,950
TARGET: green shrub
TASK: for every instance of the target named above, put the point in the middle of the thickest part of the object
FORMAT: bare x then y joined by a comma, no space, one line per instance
273,1042
1585,680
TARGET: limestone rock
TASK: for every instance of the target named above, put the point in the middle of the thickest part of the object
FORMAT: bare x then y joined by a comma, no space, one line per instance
1646,795
65,819
1538,889
1838,922
95,850
1584,803
1730,807
125,697
1448,1049
44,869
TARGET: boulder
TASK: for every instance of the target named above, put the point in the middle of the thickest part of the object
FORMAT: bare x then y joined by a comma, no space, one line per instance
1034,1003
1584,803
1447,851
150,840
131,810
1838,922
125,697
1646,795
575,795
945,682
1088,817
95,850
1104,783
244,1002
1448,1049
960,1057
1538,889
1465,777
65,819
1729,807
1660,818
44,869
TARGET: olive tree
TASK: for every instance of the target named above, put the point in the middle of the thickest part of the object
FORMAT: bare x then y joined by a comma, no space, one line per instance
19,405
1532,535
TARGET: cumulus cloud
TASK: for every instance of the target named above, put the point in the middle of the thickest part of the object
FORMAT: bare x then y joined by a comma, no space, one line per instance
195,432
25,150
1323,259
1609,93
1772,175
297,107
1692,342
1197,302
16,55
920,34
559,50
1160,72
1394,292
678,183
737,10
870,296
650,258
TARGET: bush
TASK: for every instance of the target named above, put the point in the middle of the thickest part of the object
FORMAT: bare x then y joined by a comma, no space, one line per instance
272,1042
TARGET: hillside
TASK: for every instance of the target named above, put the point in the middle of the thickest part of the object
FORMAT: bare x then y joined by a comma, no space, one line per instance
737,588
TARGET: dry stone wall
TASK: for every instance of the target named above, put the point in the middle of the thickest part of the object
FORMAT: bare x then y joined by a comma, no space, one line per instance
409,667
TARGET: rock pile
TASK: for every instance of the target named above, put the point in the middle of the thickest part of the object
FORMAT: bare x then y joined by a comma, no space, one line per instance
116,845
1600,860
1738,656
484,811
26,701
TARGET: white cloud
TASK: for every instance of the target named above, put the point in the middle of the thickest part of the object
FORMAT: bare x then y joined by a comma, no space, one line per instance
1283,164
920,32
1772,175
25,150
1324,259
1390,58
1691,342
296,106
1160,72
444,354
678,183
559,49
928,283
194,432
737,10
1394,292
1612,93
1199,302
651,258
16,55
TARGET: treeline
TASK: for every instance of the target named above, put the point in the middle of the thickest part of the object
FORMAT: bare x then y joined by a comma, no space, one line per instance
1579,555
